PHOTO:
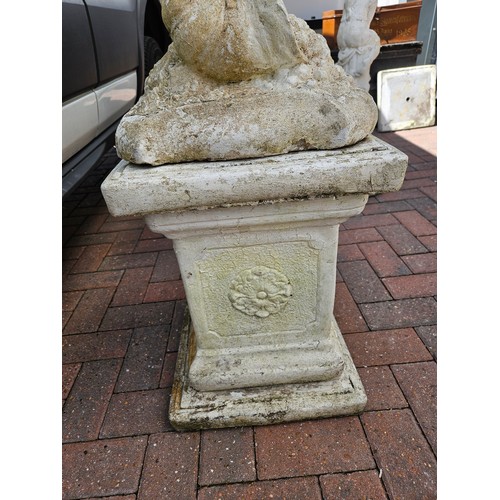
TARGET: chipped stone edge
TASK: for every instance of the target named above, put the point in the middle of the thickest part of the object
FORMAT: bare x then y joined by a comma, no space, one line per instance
272,405
371,166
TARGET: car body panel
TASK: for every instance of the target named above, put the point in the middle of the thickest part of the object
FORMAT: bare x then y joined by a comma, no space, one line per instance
79,117
102,76
81,164
79,68
115,28
86,116
115,99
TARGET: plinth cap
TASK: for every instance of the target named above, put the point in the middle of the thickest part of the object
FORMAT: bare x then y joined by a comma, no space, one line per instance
369,167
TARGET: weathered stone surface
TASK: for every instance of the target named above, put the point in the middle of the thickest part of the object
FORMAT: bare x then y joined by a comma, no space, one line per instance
233,40
256,242
242,80
371,166
191,409
255,230
260,282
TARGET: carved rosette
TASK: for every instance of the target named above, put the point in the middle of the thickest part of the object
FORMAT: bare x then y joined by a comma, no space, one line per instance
260,291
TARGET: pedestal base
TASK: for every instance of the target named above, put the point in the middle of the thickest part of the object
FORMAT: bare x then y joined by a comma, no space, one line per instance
191,409
256,241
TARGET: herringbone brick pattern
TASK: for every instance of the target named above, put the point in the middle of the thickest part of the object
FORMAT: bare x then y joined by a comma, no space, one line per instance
122,310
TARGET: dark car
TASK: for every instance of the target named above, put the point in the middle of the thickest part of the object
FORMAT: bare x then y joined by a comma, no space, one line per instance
108,48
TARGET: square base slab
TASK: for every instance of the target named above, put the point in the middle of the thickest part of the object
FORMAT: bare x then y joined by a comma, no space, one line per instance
191,409
406,98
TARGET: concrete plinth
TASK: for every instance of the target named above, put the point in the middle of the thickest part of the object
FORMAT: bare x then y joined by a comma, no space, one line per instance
191,409
256,242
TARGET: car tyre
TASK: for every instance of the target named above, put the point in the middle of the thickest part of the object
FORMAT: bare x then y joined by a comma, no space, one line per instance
152,54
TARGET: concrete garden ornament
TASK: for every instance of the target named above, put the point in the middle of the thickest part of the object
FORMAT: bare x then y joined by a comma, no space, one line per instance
255,230
242,79
359,45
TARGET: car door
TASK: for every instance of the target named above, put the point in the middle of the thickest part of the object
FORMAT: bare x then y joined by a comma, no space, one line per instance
80,115
100,59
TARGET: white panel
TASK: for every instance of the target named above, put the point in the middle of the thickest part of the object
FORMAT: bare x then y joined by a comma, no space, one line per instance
383,3
115,99
308,9
406,98
79,123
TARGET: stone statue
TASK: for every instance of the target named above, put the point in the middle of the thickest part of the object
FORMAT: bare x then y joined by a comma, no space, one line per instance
232,40
359,45
242,79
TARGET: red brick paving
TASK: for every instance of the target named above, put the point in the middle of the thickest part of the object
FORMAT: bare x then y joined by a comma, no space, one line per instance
431,192
346,253
346,311
128,261
90,310
384,260
125,242
227,456
365,484
402,453
133,287
312,447
416,285
347,237
170,290
88,400
89,281
69,373
137,315
406,194
291,489
123,305
95,346
430,242
427,207
363,282
91,258
143,362
365,221
102,468
385,207
428,335
167,375
166,268
386,347
171,466
422,263
401,240
70,300
400,313
136,413
419,384
177,322
381,388
416,223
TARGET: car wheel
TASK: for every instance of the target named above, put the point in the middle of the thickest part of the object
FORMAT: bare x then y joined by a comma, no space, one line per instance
152,54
